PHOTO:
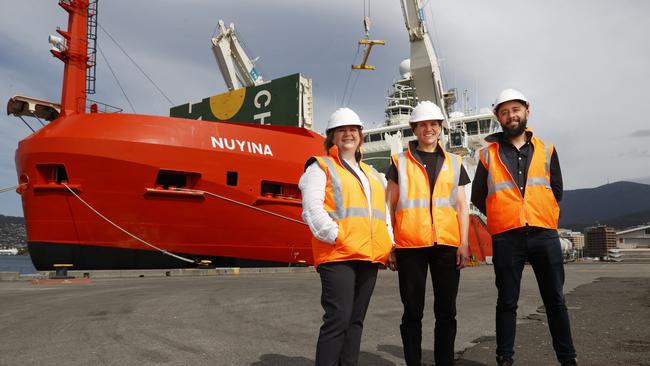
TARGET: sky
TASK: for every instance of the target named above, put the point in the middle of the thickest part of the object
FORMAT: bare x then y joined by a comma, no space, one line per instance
583,64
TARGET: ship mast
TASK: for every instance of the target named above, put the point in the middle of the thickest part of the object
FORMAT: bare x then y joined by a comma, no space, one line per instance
74,54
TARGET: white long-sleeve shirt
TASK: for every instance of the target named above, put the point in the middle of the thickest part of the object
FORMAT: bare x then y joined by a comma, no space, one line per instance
312,184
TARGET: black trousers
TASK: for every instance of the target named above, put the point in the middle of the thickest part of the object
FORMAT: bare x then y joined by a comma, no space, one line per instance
412,266
347,288
542,249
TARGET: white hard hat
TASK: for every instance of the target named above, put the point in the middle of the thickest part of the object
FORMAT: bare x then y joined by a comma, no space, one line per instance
343,117
507,95
427,111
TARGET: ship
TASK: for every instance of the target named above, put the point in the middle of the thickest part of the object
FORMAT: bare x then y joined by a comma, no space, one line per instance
212,184
102,189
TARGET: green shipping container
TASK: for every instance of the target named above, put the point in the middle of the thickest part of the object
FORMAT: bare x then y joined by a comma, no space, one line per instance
286,101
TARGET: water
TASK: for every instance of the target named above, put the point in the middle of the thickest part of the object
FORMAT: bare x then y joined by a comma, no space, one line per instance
16,263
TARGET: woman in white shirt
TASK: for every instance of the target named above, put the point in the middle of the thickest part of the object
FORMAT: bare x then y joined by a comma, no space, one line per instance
344,205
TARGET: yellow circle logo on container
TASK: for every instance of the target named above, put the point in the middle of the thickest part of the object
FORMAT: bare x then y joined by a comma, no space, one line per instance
225,106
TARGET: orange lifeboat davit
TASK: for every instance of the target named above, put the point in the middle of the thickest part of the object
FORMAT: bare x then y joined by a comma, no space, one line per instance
480,241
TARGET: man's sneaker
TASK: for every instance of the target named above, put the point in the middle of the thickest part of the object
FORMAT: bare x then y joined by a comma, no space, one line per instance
572,362
501,361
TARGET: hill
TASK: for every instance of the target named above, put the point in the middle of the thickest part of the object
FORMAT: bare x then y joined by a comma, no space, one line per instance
12,232
619,204
11,220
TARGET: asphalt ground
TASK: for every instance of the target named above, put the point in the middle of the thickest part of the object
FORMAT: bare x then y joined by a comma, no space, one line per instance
273,319
610,321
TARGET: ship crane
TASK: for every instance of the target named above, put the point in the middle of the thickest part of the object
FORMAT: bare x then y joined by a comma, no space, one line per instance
237,68
426,75
425,69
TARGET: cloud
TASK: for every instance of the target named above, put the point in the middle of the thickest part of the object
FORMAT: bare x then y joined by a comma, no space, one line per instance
635,153
640,133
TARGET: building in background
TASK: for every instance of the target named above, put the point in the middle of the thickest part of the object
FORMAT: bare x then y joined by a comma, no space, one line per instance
598,240
632,245
636,237
576,238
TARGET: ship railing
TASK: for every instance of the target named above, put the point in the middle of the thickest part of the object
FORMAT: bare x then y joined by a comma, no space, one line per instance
94,106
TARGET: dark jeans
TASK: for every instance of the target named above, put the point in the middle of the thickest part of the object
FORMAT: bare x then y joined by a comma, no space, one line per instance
347,287
413,265
541,247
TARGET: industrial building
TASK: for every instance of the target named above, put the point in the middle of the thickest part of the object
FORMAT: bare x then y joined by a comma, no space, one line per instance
598,240
636,237
632,245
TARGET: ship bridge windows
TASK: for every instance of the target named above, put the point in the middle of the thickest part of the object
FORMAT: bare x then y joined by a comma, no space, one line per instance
471,127
484,126
373,137
379,136
401,111
457,138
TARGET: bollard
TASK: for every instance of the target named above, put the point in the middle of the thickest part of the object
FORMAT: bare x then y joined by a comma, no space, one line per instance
61,276
61,271
205,264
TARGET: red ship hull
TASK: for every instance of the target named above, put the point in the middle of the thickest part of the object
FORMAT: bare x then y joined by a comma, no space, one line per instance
127,166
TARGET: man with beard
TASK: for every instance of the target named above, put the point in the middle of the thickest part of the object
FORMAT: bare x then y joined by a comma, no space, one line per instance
518,185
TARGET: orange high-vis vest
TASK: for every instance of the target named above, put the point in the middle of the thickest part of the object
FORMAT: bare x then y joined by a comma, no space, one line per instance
359,237
422,219
505,207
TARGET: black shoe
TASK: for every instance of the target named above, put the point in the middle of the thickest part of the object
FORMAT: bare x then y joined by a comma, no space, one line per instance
571,362
501,361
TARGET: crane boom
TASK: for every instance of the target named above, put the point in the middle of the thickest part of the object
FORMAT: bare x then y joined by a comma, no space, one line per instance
425,69
237,68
